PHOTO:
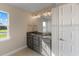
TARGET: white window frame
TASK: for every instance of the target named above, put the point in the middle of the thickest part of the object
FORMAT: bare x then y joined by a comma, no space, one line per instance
8,34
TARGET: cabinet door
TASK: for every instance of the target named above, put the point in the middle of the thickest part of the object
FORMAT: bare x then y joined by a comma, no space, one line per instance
65,41
45,48
29,40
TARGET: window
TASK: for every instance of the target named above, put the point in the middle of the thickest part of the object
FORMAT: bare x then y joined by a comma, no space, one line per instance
4,25
44,26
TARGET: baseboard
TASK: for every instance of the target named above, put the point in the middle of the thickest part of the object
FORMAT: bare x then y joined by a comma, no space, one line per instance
14,51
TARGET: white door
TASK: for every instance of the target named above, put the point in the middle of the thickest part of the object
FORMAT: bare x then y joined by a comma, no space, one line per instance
75,29
65,40
75,14
65,14
75,40
65,30
65,37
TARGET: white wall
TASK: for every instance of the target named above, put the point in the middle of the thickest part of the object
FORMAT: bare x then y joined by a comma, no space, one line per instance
18,28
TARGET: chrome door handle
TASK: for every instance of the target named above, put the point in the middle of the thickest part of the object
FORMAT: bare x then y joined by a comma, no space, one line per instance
61,39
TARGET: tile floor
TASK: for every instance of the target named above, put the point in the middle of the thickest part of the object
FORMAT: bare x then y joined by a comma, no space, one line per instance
26,52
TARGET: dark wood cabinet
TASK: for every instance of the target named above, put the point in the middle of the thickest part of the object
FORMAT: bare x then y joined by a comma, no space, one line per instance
29,40
41,45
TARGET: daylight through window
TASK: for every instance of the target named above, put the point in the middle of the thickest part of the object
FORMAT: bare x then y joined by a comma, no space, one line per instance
44,26
4,23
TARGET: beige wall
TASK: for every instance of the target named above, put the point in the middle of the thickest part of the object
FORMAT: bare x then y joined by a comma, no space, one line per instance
32,24
36,24
18,29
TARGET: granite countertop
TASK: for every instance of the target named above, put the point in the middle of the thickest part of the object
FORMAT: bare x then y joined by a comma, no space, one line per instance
40,33
43,35
46,37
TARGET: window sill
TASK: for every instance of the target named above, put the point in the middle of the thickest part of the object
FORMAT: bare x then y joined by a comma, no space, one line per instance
3,40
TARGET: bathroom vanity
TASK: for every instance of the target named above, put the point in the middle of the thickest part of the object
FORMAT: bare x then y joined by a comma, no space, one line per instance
40,42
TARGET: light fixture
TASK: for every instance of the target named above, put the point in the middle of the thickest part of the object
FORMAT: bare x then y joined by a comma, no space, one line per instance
36,16
42,13
45,14
49,13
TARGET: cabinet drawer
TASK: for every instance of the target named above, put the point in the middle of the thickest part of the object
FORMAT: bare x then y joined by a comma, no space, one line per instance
36,48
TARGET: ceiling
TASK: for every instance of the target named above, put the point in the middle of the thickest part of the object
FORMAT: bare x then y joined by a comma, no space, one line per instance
32,7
